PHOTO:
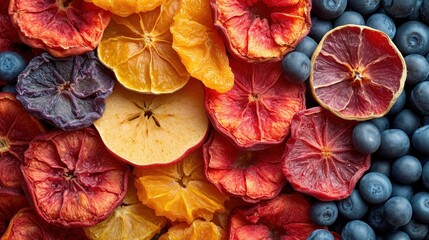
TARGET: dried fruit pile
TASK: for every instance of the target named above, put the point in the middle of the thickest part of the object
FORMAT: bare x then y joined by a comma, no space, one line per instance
214,119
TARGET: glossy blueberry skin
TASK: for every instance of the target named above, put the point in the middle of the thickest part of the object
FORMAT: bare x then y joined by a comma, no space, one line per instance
296,66
375,187
353,207
382,22
420,204
412,37
319,27
420,139
382,123
397,211
417,69
399,104
349,17
394,143
366,137
401,190
406,169
425,175
406,120
364,7
323,213
398,8
321,234
375,218
11,65
357,230
397,235
328,9
419,98
415,229
380,165
10,88
306,46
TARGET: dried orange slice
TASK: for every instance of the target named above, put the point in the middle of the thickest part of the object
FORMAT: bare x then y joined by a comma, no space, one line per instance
199,229
200,46
125,8
181,191
138,49
357,72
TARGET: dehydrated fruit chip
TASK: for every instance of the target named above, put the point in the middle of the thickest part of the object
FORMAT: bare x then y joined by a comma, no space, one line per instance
11,201
199,229
125,8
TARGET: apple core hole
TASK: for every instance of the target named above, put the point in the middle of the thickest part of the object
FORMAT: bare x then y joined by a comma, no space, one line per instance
65,3
64,87
244,160
260,10
4,145
183,181
69,174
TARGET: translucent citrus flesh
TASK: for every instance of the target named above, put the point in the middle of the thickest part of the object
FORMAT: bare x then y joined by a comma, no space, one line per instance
199,45
197,230
125,8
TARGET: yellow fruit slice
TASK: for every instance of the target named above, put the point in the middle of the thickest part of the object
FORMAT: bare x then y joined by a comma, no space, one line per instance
138,49
181,191
199,45
125,8
197,230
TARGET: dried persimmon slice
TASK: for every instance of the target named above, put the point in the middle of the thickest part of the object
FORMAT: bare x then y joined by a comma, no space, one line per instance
320,159
71,179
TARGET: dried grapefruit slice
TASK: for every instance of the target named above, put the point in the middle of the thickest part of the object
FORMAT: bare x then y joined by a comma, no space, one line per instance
200,46
199,229
125,8
181,191
357,72
138,49
320,159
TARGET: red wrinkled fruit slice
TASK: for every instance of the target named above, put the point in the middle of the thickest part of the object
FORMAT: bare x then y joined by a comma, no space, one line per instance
260,30
252,175
320,159
11,201
257,111
61,27
17,129
71,179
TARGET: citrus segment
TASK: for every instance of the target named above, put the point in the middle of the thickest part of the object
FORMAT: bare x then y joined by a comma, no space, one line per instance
197,230
181,191
125,8
138,49
357,72
199,45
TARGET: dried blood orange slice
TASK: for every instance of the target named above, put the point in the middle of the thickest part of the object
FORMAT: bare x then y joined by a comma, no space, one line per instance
357,72
71,179
199,229
259,30
257,111
17,129
252,175
181,191
320,159
63,27
11,201
125,8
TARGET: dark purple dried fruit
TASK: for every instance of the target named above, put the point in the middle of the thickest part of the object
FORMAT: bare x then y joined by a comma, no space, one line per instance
68,92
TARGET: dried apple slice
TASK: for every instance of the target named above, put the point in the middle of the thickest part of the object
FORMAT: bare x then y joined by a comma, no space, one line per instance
146,129
257,111
71,179
252,175
11,201
199,229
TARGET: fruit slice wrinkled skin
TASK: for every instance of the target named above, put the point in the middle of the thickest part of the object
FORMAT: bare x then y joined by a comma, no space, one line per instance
357,72
256,112
199,229
67,92
148,129
11,201
320,159
27,225
63,27
17,129
262,30
181,191
71,179
125,8
200,46
139,50
252,175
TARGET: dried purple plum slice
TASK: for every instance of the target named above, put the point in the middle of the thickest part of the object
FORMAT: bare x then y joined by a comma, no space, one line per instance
69,93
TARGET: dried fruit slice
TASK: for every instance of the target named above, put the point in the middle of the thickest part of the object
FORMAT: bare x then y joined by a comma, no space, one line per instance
256,112
252,175
200,46
320,159
357,72
142,129
11,201
27,225
260,30
67,92
71,179
138,49
180,192
17,129
125,8
199,229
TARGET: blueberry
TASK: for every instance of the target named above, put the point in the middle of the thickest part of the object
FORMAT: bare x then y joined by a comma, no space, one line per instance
382,123
406,169
412,37
329,9
420,204
399,104
353,207
376,219
349,17
296,66
397,211
319,27
398,8
407,121
11,65
10,88
321,234
364,6
425,175
420,139
401,190
366,137
417,69
382,22
419,97
323,213
394,143
375,187
380,165
415,229
306,46
357,230
397,235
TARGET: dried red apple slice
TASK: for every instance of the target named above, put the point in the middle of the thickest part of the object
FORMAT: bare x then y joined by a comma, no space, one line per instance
257,111
260,30
252,175
320,159
17,129
71,179
11,201
61,27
